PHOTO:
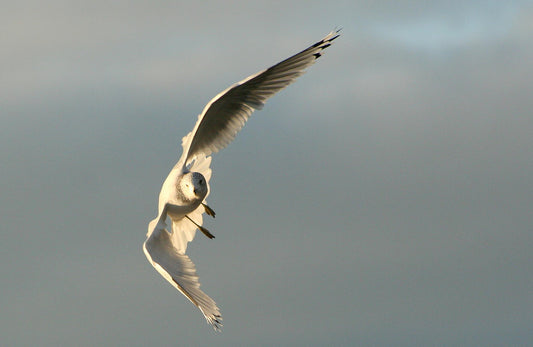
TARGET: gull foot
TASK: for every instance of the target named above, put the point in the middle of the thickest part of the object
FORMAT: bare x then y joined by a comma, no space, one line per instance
208,210
202,229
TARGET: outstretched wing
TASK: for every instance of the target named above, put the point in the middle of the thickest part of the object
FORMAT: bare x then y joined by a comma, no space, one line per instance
226,113
178,269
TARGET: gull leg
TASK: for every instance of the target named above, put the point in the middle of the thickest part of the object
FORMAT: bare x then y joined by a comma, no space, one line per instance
208,210
202,229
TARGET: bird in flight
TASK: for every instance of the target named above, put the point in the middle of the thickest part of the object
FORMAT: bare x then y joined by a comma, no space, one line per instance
183,195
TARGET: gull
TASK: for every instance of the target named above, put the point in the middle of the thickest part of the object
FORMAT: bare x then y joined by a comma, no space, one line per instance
183,195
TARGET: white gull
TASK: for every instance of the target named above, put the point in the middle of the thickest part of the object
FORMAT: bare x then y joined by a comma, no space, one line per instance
183,194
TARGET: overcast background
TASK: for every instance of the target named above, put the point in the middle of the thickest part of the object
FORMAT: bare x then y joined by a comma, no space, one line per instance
383,199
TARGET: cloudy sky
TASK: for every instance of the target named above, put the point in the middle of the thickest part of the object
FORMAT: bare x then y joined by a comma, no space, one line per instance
384,198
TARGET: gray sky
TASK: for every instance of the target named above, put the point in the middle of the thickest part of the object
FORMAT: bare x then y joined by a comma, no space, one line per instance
384,198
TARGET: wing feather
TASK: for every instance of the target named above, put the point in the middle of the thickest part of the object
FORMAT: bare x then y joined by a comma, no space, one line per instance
225,115
178,269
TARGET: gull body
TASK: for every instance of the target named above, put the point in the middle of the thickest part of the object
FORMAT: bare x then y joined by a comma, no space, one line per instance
183,195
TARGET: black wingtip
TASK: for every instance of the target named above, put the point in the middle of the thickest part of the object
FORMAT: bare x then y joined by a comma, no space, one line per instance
325,43
317,44
337,31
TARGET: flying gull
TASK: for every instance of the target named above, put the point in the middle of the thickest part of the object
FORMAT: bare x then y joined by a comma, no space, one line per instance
183,195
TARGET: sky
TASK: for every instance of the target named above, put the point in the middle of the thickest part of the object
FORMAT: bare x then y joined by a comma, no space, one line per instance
383,199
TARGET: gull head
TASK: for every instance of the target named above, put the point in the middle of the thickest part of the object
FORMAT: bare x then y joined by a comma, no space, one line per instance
193,186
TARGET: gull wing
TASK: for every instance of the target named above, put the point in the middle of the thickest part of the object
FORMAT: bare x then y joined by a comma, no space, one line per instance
178,269
224,116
